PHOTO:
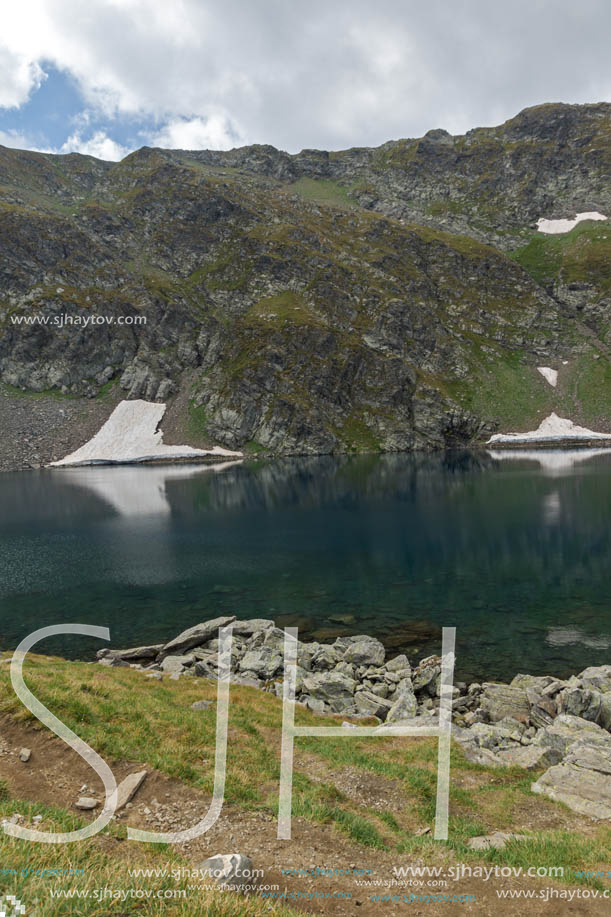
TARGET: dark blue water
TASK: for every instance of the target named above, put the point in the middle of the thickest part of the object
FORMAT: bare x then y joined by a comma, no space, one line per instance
516,555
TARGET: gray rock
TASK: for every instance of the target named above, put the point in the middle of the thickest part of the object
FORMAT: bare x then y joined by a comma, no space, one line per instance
201,705
582,789
604,717
496,841
229,870
365,651
530,757
252,626
425,675
176,664
325,658
314,704
369,704
135,653
412,722
25,754
248,679
264,662
399,664
505,734
128,788
204,670
404,706
581,702
87,803
592,752
537,682
499,701
194,636
346,668
478,755
565,730
333,688
597,677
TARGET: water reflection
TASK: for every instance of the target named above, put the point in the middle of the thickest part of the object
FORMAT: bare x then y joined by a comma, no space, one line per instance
551,461
395,545
136,491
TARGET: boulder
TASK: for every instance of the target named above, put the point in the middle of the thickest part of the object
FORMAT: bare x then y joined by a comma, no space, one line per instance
369,704
530,757
229,870
582,702
398,664
134,654
204,670
582,781
404,705
264,662
597,677
325,658
332,688
500,701
252,626
365,651
604,717
565,730
425,676
176,664
194,636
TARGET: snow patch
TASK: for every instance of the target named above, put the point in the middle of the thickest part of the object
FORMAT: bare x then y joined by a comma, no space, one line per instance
553,227
131,434
552,429
550,374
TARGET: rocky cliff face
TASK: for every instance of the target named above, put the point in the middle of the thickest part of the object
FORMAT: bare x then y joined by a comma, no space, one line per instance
365,300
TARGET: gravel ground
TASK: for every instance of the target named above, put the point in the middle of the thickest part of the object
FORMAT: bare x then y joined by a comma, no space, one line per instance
38,429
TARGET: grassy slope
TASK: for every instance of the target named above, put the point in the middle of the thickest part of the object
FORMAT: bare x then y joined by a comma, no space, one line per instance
127,717
580,256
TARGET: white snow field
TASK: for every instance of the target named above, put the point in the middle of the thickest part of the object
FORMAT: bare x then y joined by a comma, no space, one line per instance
552,429
552,227
131,434
551,375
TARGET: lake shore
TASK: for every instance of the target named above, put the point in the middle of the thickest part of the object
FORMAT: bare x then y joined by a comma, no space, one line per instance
531,722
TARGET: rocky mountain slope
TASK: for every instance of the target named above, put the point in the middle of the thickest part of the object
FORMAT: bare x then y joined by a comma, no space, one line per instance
371,299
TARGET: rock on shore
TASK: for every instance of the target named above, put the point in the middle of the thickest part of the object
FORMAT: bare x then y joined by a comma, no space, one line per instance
533,722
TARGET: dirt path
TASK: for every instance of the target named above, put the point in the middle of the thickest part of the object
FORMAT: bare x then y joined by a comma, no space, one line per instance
56,775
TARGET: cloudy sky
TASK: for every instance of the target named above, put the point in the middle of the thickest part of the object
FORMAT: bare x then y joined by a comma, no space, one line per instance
107,76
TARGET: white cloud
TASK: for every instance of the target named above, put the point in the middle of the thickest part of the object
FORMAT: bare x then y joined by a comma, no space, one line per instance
326,74
212,133
15,139
18,77
99,145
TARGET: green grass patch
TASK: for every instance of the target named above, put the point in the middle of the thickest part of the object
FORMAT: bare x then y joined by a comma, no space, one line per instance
282,309
323,191
580,256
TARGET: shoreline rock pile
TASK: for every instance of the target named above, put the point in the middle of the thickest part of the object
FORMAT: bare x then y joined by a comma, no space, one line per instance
533,722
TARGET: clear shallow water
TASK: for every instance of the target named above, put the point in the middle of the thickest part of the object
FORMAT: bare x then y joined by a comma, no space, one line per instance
515,554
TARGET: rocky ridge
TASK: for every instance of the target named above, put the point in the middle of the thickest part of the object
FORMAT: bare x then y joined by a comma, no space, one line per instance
361,300
535,722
